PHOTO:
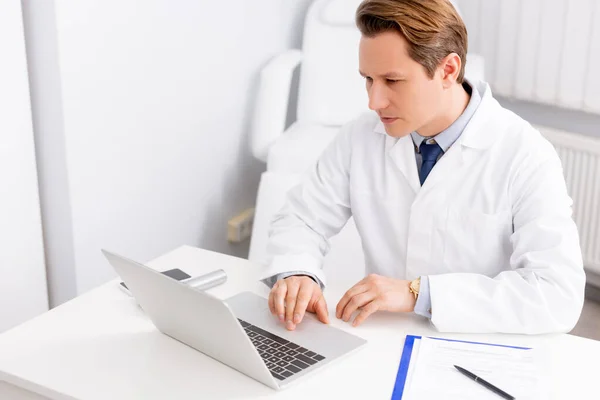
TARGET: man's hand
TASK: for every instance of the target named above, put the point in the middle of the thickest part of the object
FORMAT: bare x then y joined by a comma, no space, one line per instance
375,293
291,297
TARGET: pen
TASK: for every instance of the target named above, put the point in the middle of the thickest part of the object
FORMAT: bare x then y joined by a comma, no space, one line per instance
207,281
484,383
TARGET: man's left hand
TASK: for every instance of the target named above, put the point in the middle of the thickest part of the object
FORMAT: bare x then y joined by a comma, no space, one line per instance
375,293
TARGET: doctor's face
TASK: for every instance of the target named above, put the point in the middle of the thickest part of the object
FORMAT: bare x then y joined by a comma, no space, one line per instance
399,89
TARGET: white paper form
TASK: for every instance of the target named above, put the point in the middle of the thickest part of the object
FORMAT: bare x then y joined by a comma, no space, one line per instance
514,370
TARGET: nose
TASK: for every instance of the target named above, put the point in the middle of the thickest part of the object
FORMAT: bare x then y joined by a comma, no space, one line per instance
378,99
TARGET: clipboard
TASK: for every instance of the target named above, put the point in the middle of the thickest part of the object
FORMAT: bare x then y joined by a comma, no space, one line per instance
405,359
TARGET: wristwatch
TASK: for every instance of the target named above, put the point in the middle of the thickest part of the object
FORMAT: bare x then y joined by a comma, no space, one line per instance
415,286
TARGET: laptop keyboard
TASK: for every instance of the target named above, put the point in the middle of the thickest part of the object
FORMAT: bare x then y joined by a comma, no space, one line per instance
283,358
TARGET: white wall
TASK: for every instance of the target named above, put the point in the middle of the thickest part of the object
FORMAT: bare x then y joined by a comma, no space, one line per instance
148,103
23,291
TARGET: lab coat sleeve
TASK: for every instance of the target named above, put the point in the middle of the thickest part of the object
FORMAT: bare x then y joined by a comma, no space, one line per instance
315,210
542,290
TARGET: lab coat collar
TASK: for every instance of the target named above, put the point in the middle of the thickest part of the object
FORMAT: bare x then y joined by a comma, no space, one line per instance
402,152
482,131
473,135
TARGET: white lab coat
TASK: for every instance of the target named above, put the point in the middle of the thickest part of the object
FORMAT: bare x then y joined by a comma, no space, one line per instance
491,226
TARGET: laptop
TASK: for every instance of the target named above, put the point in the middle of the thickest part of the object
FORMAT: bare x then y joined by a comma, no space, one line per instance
239,332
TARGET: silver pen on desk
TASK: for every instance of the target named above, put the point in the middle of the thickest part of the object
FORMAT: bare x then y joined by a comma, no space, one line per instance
207,281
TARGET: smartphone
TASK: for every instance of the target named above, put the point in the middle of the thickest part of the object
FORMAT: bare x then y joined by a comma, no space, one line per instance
175,273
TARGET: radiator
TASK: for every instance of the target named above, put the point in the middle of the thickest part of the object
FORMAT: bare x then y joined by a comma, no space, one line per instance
580,156
545,51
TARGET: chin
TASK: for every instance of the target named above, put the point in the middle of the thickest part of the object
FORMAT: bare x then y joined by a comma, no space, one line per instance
397,131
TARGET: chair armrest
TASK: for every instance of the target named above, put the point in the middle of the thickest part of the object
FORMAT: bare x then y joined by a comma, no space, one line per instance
270,111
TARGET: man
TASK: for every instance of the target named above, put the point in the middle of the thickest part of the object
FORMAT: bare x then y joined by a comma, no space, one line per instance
461,205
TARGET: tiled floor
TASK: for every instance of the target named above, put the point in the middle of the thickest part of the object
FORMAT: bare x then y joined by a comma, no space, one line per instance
589,322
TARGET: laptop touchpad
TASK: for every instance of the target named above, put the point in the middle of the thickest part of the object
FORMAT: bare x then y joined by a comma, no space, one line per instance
310,333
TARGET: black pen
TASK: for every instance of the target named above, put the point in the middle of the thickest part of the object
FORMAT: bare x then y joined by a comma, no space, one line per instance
484,383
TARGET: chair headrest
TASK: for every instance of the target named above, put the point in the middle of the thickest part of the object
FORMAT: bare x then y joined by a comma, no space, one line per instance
331,91
339,12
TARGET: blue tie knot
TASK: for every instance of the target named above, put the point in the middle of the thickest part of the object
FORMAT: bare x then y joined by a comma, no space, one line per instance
430,152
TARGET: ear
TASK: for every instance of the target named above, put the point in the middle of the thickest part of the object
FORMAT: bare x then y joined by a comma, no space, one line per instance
450,69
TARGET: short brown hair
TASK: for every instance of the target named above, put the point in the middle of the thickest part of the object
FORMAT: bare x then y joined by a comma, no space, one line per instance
432,28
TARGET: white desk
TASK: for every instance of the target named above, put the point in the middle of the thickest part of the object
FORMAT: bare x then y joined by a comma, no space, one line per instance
101,346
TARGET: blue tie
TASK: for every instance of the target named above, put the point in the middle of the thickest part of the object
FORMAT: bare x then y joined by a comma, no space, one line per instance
430,154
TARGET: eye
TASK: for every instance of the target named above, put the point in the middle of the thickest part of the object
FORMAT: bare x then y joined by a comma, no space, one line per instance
392,80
